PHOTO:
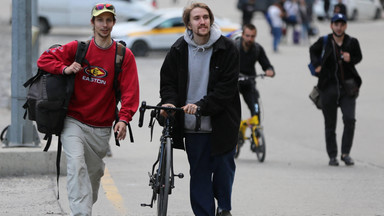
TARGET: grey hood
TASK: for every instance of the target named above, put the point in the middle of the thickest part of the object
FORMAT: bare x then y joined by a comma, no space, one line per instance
215,34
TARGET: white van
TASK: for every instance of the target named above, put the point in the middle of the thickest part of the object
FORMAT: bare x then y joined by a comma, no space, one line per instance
69,13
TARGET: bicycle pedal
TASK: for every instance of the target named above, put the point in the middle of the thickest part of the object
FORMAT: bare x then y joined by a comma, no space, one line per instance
240,142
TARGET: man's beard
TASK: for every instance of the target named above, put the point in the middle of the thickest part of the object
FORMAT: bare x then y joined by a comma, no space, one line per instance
202,34
249,44
338,35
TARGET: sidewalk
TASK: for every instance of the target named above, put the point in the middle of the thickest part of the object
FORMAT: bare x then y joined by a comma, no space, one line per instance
29,195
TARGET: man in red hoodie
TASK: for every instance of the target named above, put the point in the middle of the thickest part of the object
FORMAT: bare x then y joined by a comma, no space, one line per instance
91,110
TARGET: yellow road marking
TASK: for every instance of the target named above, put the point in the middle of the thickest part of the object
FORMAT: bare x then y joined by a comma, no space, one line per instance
112,193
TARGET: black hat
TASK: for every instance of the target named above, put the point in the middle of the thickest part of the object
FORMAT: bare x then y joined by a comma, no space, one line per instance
339,17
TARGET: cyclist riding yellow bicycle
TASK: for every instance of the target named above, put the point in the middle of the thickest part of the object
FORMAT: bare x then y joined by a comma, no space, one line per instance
251,52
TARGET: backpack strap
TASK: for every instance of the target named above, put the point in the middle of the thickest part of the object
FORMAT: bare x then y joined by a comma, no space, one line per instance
82,48
119,58
325,40
58,158
47,137
32,79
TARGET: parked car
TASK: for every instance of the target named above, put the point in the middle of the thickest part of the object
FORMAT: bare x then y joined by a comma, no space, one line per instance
76,13
159,30
356,9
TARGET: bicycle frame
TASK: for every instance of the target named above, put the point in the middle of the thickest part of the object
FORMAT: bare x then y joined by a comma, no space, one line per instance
156,171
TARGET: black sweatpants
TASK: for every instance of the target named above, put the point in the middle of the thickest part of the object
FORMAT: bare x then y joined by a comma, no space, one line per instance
333,97
250,94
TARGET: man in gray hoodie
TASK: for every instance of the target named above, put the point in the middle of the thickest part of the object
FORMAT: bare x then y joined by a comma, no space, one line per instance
201,70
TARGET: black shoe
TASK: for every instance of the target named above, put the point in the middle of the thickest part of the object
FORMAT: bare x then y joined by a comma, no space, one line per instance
333,162
347,160
223,213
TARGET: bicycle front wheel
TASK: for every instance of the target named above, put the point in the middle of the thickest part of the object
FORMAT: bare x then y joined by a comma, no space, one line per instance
240,142
164,180
258,142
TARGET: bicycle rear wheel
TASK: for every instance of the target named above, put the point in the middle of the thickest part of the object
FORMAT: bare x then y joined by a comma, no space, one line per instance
164,179
258,143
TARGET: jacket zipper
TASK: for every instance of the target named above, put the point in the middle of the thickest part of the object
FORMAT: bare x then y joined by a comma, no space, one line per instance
337,68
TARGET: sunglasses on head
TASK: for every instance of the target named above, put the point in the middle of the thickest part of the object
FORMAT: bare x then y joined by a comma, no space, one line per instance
107,6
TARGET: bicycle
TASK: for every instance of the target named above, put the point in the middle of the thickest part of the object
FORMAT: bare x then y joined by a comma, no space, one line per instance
256,135
161,178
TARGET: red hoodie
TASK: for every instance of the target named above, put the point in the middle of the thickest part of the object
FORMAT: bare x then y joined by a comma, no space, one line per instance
93,99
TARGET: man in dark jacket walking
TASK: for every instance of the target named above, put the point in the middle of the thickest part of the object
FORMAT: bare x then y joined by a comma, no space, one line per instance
201,70
338,83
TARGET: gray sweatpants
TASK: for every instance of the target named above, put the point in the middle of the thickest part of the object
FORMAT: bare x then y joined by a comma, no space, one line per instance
85,148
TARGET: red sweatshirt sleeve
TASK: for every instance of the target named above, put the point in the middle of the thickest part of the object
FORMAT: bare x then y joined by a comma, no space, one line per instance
129,86
56,59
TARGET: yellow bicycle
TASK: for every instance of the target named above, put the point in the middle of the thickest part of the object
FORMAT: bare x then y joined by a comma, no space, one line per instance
255,136
255,133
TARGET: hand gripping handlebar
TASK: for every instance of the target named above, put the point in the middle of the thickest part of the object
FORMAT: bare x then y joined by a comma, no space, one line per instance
144,107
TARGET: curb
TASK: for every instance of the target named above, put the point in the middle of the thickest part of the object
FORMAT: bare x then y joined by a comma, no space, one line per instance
30,161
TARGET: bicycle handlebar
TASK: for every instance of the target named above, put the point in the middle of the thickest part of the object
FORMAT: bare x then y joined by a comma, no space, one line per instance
243,77
142,111
144,107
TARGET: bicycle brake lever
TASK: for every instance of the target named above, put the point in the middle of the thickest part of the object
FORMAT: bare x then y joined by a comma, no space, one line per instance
152,122
153,115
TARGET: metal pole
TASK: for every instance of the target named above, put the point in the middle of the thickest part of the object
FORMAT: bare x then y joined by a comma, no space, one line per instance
35,36
21,133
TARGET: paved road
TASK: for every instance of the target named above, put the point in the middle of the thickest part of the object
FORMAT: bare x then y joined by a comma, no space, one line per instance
294,180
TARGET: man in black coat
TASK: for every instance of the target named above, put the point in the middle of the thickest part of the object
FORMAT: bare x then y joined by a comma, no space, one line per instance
201,70
339,84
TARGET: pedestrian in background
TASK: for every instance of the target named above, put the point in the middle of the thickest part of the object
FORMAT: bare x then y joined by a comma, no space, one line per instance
248,9
292,18
309,4
327,4
305,22
275,13
339,84
92,107
201,70
341,8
